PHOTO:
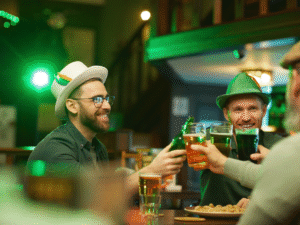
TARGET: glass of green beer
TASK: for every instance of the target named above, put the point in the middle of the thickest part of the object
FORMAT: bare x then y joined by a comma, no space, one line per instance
247,141
220,135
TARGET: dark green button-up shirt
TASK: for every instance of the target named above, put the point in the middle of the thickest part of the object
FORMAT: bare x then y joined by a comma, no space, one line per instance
221,190
67,145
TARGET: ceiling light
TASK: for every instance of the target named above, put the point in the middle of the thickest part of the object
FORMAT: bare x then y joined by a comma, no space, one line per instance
263,77
145,15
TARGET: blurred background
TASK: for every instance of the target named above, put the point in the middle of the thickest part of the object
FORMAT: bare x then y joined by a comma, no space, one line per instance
167,60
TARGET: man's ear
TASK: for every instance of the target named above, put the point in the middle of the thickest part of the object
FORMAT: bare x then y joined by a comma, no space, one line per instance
226,114
265,107
72,106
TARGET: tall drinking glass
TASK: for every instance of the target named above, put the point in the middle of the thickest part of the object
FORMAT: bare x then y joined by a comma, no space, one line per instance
196,134
247,141
150,198
220,136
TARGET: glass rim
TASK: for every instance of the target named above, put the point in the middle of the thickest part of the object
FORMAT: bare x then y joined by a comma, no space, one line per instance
149,174
247,131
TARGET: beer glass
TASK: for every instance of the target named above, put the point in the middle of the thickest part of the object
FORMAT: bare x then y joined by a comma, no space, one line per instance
220,136
150,199
247,141
196,134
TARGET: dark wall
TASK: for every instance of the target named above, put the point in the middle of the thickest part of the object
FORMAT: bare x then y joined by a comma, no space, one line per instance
202,104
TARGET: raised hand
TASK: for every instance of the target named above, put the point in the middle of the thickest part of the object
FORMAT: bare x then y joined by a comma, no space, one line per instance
261,154
215,157
166,163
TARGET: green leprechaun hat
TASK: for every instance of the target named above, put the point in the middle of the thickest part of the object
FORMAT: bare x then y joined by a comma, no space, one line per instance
240,85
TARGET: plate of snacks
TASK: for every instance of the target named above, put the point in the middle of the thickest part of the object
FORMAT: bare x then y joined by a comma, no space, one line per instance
216,211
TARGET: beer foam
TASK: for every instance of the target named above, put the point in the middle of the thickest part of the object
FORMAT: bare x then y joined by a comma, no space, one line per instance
223,134
194,135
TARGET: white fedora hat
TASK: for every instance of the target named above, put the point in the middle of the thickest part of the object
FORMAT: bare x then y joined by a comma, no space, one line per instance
69,78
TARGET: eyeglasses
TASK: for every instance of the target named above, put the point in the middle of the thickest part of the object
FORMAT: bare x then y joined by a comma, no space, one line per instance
98,100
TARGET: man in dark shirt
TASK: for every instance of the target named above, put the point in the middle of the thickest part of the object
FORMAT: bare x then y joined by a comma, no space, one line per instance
83,101
244,105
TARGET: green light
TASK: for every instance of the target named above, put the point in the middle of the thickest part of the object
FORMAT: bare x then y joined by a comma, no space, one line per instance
236,54
16,20
6,25
37,74
40,79
13,23
38,168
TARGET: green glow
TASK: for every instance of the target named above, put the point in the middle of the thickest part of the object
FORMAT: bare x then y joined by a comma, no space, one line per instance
236,54
40,79
10,17
38,74
38,168
28,148
6,25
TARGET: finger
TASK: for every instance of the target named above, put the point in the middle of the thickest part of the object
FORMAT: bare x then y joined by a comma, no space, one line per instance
199,148
262,149
241,202
176,153
178,160
256,156
175,166
208,143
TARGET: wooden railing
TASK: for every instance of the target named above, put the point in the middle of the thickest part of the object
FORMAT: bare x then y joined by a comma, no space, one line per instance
129,76
183,15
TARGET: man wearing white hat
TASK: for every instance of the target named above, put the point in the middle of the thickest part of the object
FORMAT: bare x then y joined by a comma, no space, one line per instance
275,198
83,101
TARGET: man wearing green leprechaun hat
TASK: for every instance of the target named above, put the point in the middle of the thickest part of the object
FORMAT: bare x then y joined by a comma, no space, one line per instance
244,105
275,198
82,100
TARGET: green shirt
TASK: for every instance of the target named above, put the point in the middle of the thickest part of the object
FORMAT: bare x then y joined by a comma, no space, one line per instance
221,190
67,145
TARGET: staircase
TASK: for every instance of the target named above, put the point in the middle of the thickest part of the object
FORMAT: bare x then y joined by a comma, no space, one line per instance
142,93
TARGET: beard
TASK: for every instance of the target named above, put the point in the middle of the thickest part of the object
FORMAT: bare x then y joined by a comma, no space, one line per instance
292,119
92,122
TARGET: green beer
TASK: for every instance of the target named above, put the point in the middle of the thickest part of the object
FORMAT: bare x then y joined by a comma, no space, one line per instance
247,141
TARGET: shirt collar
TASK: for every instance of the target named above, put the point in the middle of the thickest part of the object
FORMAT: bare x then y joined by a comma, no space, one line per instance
79,138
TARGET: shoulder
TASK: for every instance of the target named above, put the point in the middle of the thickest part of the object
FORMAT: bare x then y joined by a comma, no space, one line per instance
58,141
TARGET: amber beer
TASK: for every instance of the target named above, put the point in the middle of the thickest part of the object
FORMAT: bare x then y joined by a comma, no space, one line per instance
195,159
221,141
150,184
149,190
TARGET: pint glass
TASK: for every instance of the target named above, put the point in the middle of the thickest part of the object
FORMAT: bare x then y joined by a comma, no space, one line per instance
196,134
220,136
247,141
149,190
